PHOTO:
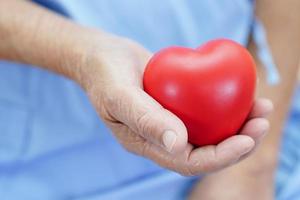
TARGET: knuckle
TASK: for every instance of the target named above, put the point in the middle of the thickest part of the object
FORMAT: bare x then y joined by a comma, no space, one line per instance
187,170
114,102
113,98
205,164
146,120
143,124
181,167
209,163
191,170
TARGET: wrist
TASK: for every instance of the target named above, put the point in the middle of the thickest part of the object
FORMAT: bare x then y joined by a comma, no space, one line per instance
101,54
87,57
74,50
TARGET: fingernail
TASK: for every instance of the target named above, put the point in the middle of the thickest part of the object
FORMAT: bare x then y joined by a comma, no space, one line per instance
169,139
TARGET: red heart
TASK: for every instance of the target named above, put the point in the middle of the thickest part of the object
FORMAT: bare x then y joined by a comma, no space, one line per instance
211,89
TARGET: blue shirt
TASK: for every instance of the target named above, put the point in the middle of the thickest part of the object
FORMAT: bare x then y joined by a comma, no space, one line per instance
52,143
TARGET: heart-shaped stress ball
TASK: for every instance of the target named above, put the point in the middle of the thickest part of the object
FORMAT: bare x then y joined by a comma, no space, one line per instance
211,89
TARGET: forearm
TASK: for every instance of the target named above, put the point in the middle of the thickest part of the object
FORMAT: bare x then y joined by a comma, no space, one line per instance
31,34
281,20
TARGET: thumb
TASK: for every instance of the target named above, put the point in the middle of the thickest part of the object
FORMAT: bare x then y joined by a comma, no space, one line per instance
146,117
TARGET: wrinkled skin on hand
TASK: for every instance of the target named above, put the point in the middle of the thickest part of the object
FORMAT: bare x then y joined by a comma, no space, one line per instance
112,72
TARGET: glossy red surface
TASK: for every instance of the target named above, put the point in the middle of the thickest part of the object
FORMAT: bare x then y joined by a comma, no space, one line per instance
211,89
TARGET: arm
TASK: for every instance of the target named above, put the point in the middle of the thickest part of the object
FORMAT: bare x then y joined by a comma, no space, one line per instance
30,34
253,175
110,70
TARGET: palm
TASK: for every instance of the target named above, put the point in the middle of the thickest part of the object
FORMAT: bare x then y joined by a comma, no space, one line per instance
139,122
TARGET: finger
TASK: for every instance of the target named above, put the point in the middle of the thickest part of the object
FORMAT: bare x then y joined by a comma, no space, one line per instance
261,108
201,160
212,158
256,128
141,113
134,143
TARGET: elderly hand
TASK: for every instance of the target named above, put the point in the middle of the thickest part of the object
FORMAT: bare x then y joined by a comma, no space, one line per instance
110,69
112,72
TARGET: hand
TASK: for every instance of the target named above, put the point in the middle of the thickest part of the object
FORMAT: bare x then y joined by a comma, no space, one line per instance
110,69
112,72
